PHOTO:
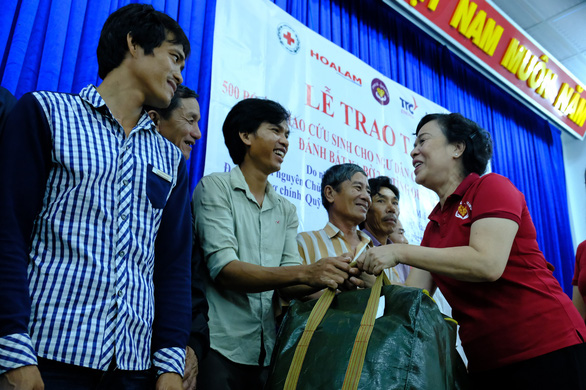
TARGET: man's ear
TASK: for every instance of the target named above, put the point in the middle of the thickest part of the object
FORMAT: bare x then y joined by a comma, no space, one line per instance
132,45
245,137
329,193
155,117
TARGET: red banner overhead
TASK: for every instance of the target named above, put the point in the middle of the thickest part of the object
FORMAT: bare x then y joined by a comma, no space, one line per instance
481,32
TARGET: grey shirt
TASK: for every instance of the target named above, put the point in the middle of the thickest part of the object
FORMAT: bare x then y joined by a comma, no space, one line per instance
230,226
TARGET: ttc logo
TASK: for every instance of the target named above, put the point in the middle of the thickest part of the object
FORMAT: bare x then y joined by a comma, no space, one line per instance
407,107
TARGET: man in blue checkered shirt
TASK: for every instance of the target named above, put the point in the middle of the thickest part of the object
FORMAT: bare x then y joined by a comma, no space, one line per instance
95,232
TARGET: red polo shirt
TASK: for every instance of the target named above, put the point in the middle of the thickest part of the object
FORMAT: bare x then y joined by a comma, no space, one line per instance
580,270
523,314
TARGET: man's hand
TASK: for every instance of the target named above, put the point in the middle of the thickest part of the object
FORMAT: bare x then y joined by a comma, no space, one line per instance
22,378
357,279
329,271
169,381
191,370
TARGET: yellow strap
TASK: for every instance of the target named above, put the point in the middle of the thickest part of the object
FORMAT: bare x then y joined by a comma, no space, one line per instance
315,317
363,336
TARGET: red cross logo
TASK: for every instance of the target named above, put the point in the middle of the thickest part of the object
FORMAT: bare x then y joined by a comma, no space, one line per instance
289,38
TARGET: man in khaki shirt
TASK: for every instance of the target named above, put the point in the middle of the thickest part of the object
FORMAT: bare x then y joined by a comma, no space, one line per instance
247,235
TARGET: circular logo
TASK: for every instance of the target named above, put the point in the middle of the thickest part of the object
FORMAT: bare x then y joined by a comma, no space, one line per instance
288,38
380,91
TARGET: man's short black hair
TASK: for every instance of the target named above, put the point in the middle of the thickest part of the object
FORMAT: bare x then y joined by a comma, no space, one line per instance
148,28
335,176
376,183
246,117
182,92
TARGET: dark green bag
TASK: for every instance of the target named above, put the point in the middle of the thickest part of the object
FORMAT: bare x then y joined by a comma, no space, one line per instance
412,346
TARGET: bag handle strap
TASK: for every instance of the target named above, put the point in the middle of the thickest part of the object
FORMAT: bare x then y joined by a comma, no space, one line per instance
358,354
317,314
315,317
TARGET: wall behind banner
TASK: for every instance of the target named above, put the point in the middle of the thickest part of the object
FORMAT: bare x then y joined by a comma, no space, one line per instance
51,45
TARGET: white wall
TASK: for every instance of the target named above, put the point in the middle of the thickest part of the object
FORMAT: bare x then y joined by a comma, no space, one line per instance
575,164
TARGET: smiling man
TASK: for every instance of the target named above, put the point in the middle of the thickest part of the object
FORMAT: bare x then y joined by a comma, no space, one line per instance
346,197
94,219
179,122
247,237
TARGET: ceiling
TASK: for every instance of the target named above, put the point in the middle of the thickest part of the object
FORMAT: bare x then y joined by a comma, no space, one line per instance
559,26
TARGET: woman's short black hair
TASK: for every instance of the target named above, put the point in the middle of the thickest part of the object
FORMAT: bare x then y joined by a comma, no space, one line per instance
458,128
148,28
246,117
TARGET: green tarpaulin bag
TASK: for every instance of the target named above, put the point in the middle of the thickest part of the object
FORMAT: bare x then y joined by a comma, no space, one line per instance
411,346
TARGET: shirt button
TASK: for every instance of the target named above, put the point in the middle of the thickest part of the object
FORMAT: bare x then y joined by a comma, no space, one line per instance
124,217
125,182
121,253
120,293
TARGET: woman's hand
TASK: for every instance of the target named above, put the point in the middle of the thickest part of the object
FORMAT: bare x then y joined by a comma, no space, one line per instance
375,260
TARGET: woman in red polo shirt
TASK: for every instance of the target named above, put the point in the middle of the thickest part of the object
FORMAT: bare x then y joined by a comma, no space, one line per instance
579,281
518,328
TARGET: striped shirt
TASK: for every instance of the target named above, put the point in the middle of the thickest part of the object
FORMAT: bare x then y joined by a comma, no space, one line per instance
84,212
328,242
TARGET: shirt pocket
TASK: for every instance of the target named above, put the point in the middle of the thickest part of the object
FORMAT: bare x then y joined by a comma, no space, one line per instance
158,186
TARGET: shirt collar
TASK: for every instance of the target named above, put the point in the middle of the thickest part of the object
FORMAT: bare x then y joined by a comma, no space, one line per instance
238,182
457,195
91,95
375,242
332,231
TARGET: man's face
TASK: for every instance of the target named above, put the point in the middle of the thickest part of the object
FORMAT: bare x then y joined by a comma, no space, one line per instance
352,200
267,146
383,213
398,235
159,73
182,127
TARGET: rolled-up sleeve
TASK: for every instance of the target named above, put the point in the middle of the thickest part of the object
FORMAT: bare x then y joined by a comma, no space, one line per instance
290,252
214,224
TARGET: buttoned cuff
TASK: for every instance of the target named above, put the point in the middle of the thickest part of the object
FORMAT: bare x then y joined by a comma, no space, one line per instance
16,350
170,360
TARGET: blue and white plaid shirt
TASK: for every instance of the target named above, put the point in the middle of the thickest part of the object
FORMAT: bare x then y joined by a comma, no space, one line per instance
97,225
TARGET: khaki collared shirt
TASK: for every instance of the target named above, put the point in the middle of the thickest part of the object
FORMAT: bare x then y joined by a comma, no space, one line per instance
230,225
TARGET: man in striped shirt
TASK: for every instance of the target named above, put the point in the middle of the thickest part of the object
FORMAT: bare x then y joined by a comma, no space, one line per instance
345,195
94,223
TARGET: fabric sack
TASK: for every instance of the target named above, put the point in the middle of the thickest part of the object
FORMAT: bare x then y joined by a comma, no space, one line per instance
412,345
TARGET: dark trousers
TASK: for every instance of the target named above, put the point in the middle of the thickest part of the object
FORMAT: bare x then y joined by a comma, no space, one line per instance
219,373
62,376
564,369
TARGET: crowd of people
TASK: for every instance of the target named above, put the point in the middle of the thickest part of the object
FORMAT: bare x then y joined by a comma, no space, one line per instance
114,277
